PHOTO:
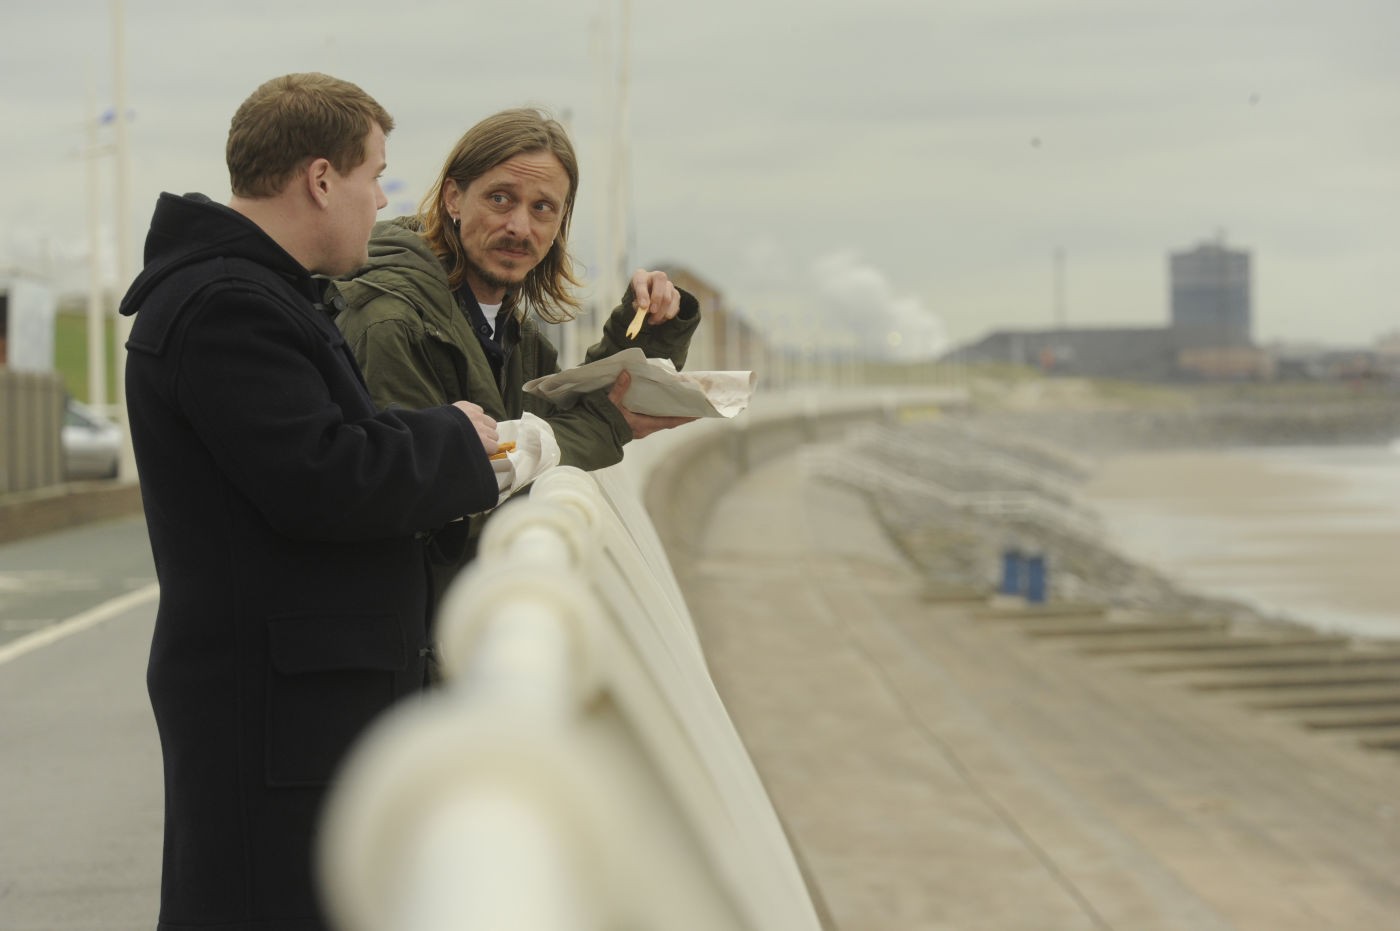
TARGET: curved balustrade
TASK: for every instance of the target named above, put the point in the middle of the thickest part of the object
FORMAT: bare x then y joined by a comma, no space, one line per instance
577,771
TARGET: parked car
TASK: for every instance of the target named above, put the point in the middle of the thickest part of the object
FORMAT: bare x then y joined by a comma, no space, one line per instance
91,443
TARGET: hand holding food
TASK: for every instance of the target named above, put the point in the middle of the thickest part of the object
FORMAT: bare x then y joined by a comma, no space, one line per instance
657,300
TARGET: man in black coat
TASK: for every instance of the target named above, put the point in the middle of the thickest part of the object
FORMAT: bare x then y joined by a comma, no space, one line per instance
286,514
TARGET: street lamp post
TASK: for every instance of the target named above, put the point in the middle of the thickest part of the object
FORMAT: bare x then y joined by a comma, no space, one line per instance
96,331
126,467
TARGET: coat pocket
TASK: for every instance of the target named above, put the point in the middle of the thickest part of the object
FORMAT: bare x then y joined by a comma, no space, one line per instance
330,676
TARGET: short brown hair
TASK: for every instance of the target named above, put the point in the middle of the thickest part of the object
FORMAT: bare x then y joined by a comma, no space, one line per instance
498,138
295,118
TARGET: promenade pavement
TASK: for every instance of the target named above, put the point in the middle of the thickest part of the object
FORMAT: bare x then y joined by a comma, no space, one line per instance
939,769
80,781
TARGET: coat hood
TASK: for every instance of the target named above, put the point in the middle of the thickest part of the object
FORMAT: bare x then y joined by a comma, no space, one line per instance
401,263
191,229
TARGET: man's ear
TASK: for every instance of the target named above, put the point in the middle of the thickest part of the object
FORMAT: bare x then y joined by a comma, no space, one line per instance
450,193
317,177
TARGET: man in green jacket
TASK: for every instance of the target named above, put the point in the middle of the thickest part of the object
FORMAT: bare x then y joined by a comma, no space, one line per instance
442,309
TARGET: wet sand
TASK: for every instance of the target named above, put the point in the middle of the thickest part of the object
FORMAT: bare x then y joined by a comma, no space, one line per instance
1286,539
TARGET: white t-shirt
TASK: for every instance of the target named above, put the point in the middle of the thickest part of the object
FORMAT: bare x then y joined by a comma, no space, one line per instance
489,311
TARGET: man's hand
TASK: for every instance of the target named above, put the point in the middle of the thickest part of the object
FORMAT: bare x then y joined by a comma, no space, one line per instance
655,294
485,425
641,424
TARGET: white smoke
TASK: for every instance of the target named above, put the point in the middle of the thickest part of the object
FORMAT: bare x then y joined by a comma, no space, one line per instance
857,300
837,304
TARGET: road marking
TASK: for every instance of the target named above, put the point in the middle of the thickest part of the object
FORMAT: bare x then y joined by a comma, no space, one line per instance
78,623
42,580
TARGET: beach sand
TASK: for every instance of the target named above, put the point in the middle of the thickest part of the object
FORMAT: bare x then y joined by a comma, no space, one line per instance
1247,525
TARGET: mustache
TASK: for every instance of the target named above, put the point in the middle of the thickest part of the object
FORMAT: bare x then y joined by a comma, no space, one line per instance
516,245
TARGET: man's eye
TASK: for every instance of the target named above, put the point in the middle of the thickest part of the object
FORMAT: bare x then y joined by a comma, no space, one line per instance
499,199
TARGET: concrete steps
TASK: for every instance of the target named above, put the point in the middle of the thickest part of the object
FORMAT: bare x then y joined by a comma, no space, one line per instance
1346,696
1278,657
1212,643
1325,684
1379,716
1382,739
1324,675
1120,632
998,608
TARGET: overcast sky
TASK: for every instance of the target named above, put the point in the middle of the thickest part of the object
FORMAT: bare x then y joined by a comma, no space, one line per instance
891,171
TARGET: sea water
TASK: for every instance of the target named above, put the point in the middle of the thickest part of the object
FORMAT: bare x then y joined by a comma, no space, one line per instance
1311,534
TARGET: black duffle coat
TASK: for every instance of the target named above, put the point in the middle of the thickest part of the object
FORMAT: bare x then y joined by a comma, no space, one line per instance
286,516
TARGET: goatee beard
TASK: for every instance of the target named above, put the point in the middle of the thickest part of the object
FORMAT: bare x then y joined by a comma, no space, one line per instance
493,280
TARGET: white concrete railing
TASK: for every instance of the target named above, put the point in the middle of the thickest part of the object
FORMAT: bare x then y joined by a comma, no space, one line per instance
577,770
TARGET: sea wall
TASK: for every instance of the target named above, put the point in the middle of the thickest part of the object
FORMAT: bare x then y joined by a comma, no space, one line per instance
1372,420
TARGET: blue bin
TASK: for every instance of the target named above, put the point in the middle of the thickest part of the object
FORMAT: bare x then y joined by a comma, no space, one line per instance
1035,578
1012,563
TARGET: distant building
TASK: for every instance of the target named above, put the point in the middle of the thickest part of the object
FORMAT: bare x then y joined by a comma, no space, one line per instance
1209,336
1210,298
27,310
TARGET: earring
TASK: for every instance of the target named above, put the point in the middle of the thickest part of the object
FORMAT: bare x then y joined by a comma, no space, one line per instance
457,224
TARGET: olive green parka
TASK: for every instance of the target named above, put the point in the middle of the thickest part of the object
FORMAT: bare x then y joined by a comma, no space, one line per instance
416,348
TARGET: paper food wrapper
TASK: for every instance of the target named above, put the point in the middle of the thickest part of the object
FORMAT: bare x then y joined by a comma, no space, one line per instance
535,450
657,388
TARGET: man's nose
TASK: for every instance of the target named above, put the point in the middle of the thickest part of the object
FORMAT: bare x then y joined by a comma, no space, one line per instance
518,222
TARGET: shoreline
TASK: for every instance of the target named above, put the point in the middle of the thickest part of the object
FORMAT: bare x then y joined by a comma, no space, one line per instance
1268,527
990,489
